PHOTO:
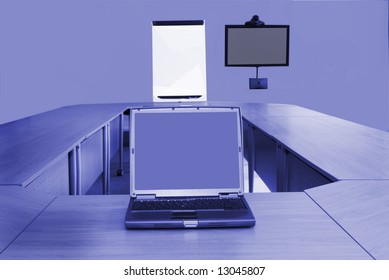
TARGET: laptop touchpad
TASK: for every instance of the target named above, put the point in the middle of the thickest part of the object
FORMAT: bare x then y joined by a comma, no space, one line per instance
184,214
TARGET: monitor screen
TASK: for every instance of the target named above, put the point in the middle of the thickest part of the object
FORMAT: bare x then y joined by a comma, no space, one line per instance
266,45
186,149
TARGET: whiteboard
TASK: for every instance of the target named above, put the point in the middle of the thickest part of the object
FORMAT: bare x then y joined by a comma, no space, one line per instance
179,61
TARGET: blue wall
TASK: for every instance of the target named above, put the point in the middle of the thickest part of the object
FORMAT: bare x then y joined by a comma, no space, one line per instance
61,52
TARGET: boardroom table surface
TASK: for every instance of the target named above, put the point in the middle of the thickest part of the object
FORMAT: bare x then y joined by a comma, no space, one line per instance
30,145
335,146
339,148
289,226
342,220
361,208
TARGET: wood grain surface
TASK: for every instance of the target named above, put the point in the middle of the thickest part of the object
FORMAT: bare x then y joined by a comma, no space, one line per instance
361,208
289,226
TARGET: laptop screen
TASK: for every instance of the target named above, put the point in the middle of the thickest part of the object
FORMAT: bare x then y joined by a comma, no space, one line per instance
186,149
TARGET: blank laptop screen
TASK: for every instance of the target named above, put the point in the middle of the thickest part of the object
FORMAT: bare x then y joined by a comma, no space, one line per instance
187,150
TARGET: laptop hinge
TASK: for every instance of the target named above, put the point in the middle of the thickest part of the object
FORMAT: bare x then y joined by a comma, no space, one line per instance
145,196
228,195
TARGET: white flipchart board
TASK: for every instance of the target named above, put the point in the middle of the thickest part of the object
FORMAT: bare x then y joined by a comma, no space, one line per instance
179,61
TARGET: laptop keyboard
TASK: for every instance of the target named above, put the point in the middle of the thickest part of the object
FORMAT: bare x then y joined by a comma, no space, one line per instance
189,204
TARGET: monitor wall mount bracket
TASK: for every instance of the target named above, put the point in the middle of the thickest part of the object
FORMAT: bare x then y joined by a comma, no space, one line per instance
258,83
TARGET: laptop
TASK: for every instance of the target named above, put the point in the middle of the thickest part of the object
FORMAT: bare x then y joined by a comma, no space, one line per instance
186,168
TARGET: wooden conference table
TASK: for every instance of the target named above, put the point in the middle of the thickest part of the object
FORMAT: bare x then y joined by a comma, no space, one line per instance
346,218
289,226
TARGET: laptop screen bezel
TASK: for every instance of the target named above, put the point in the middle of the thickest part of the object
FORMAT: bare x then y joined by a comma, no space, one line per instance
134,191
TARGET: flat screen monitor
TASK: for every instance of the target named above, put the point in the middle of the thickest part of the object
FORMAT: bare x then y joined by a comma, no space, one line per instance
266,45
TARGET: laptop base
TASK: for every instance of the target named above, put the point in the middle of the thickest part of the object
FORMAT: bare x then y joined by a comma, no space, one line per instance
184,219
